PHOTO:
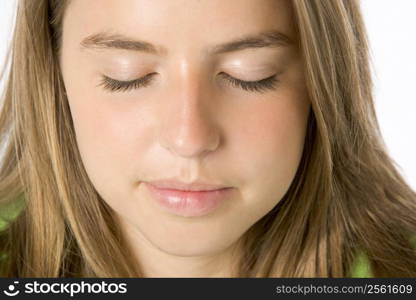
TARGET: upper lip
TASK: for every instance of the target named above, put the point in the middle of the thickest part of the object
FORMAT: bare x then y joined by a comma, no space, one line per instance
191,186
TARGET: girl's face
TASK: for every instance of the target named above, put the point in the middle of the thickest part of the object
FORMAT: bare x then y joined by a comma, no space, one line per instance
189,119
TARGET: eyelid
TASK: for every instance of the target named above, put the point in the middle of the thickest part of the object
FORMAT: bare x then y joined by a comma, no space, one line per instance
246,81
114,85
129,81
262,85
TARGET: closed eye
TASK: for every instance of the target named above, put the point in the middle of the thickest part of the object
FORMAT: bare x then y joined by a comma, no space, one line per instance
261,85
114,85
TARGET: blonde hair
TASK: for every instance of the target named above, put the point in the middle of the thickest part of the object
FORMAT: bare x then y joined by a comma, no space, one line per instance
347,196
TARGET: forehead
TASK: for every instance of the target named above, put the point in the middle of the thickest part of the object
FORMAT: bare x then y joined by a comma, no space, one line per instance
179,22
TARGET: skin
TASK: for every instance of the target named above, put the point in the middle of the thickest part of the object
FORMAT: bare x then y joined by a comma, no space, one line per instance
189,123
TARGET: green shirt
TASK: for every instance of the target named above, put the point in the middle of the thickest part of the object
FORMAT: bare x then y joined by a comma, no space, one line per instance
361,267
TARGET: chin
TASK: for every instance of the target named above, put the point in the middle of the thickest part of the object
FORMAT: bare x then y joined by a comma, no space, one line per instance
192,243
193,249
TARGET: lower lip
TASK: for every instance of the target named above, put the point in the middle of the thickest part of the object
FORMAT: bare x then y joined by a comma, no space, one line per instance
188,203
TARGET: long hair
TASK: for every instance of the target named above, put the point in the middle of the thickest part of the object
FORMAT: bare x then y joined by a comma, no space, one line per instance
346,199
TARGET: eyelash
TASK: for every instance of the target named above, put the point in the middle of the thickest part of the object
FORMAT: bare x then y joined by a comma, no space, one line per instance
123,86
260,86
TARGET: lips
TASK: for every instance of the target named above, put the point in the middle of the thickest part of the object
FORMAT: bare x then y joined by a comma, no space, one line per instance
188,200
194,186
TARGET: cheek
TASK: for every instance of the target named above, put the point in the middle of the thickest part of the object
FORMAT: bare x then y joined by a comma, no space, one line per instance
273,132
111,137
280,134
270,142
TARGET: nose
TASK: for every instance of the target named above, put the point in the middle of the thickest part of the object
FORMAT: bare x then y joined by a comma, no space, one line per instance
188,127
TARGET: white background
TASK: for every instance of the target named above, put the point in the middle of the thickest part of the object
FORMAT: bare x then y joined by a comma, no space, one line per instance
391,28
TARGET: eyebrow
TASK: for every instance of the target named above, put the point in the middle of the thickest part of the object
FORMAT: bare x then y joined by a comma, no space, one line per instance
267,39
